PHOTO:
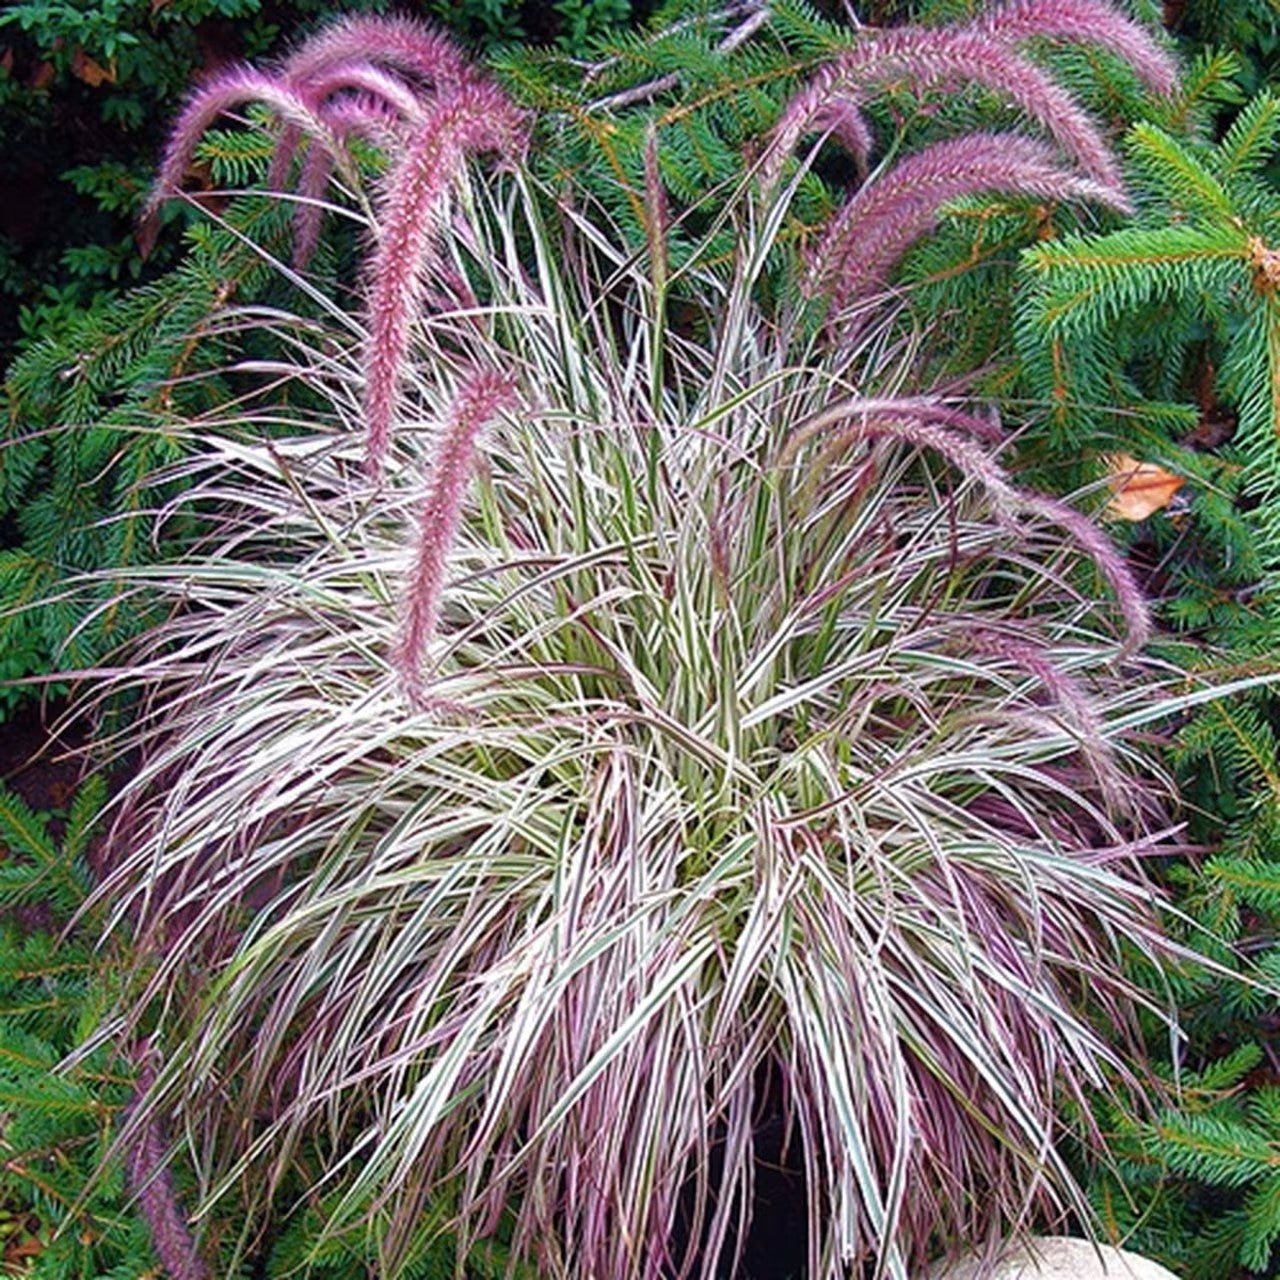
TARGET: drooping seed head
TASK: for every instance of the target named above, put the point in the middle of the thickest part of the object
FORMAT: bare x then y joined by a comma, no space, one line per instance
1085,21
482,396
886,216
477,117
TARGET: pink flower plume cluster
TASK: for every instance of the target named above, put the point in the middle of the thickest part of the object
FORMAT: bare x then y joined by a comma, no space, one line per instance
407,88
402,85
886,216
363,75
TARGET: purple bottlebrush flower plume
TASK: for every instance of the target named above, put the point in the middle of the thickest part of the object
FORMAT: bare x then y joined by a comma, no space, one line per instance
820,108
874,229
150,1181
930,56
657,207
402,83
360,114
981,53
477,117
928,427
230,89
370,66
1087,21
1070,698
308,217
920,423
1103,552
374,89
841,118
359,96
482,396
401,44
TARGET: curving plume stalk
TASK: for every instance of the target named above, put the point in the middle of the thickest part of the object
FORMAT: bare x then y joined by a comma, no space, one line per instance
882,220
481,397
399,44
477,117
928,57
404,84
380,91
1104,553
820,108
320,110
372,114
1085,22
230,89
933,428
865,239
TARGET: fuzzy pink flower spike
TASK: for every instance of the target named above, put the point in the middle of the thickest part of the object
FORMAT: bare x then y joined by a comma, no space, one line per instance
982,53
343,90
230,89
1107,557
400,44
1089,22
368,84
480,398
886,216
475,117
356,63
927,57
825,105
374,105
149,1178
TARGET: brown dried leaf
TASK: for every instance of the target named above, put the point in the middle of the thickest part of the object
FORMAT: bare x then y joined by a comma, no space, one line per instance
1138,489
92,73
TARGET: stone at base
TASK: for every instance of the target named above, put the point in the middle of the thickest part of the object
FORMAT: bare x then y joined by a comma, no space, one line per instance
1056,1258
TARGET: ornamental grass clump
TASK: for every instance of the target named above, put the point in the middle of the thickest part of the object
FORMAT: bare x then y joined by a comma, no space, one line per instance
606,722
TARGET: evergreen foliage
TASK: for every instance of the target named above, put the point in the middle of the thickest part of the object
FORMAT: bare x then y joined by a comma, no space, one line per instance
89,414
1198,1184
1161,341
56,1119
